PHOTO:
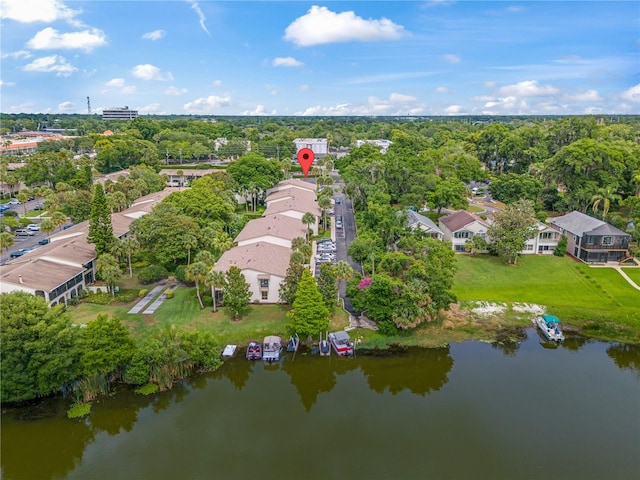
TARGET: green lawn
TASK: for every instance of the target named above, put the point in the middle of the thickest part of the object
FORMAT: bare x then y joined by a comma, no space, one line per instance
184,311
634,273
571,290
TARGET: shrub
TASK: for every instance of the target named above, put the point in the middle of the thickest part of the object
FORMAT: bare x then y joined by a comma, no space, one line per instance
78,410
169,294
82,293
140,264
180,273
152,274
147,389
561,248
100,298
143,292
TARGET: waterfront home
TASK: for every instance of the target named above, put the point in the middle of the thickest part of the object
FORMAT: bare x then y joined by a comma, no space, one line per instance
543,242
424,224
592,240
462,226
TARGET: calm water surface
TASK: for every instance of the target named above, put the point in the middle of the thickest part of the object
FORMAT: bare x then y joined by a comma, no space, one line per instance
469,411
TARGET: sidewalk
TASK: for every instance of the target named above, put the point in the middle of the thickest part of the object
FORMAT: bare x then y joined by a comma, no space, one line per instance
138,307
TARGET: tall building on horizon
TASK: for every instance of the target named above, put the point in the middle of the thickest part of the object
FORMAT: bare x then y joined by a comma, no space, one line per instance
118,113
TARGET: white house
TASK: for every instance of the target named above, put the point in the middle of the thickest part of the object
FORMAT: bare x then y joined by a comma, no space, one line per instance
424,224
544,242
264,266
381,144
460,227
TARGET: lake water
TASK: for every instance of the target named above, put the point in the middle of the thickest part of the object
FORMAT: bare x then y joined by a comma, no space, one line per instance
470,411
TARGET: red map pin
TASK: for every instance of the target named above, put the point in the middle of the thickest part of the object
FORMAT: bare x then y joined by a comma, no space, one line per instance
305,159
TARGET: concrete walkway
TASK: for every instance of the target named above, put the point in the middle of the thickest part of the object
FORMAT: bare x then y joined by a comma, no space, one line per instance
621,272
138,307
154,306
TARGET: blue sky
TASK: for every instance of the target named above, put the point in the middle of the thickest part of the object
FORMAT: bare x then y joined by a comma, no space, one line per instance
321,58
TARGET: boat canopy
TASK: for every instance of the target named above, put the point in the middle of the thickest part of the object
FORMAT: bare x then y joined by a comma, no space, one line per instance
272,339
550,319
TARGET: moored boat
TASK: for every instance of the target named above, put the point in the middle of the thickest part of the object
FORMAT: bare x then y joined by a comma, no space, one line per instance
549,325
254,351
272,346
294,341
341,343
324,348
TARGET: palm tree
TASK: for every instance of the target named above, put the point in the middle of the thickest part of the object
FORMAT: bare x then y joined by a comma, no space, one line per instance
308,218
126,246
216,280
197,272
58,218
47,226
6,240
189,242
324,203
342,271
604,196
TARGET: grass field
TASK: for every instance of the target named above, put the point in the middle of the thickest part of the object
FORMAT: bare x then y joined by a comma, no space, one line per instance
634,273
589,297
184,311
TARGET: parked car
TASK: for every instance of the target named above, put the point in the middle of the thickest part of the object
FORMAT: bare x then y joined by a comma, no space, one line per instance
13,201
339,225
324,240
44,241
19,253
326,248
38,206
338,201
34,227
4,207
23,232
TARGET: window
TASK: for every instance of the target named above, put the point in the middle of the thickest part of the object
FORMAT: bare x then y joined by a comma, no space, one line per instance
460,248
462,234
264,283
528,247
607,241
548,235
265,295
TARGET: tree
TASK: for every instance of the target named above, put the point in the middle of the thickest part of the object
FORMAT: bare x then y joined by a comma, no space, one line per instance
126,246
309,315
343,272
108,269
216,280
475,244
189,242
449,192
324,203
58,218
289,286
327,285
197,272
6,240
47,226
511,229
38,355
511,187
308,219
236,293
604,196
100,228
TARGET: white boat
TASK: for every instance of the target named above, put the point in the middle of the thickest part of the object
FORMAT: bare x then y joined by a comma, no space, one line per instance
341,343
549,325
271,348
229,350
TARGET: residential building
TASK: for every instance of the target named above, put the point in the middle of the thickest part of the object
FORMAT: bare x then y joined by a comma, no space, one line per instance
460,227
424,224
276,229
59,270
319,146
544,241
592,240
381,144
289,194
185,177
264,266
8,187
295,208
293,183
119,113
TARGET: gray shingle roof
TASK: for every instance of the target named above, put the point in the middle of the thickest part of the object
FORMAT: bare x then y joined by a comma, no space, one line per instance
414,217
579,224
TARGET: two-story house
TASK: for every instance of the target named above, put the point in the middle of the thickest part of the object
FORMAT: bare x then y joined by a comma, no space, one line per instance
424,224
544,241
462,226
592,240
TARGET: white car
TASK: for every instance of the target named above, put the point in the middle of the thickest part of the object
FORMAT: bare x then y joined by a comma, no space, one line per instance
13,202
34,227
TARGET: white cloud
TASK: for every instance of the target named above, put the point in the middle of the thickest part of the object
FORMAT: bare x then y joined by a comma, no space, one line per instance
286,62
175,91
6,84
304,88
128,89
320,26
150,72
452,58
155,35
206,105
66,107
490,84
49,39
151,108
443,89
587,96
509,105
528,88
217,83
17,54
632,94
259,111
28,107
115,82
52,63
28,11
201,17
395,104
454,110
389,77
